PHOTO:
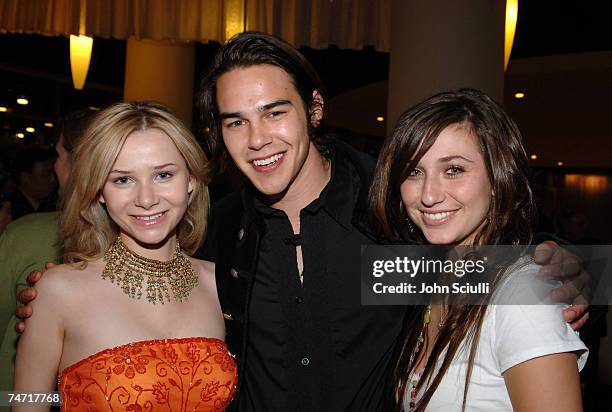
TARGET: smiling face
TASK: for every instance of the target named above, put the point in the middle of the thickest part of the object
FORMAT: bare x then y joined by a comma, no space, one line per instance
448,194
147,192
265,128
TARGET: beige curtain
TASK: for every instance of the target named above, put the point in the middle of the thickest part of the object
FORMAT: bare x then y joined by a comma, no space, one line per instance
315,23
350,24
44,17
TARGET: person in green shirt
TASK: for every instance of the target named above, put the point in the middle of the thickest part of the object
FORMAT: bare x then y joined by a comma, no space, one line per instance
28,243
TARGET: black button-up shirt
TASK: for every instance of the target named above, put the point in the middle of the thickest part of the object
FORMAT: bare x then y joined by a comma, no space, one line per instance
313,346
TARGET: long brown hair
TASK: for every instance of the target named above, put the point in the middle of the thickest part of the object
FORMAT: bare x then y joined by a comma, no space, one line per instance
511,212
85,226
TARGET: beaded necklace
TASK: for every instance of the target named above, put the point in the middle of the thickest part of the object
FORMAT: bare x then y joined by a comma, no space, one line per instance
128,270
415,378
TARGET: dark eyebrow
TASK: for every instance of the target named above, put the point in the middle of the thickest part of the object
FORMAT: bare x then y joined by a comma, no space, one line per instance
263,108
450,158
274,104
229,115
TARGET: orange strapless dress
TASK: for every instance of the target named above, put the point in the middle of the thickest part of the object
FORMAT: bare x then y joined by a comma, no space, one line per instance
187,374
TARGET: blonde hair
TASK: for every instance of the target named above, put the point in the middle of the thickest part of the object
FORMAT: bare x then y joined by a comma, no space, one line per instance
84,225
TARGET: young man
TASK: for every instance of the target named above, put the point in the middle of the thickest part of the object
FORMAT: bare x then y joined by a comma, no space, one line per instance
287,247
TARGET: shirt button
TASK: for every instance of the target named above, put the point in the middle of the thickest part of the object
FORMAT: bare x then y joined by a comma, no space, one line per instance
305,361
299,299
241,233
234,273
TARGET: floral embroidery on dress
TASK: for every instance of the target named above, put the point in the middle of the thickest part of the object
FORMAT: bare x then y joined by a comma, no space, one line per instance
130,362
187,374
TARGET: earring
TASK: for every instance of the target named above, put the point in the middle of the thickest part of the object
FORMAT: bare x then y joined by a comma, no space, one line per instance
409,222
406,219
490,211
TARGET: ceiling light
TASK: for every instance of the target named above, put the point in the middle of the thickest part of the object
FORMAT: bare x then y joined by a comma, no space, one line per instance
80,56
511,17
30,129
22,101
20,135
560,163
48,124
519,95
533,157
3,109
380,119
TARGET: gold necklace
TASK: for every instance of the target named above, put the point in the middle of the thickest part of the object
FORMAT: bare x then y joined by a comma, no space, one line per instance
128,270
415,378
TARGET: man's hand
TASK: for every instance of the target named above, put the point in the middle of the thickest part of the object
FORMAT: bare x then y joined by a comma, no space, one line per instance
562,265
26,296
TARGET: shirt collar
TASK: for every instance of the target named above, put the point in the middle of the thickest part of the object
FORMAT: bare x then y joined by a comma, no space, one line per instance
337,198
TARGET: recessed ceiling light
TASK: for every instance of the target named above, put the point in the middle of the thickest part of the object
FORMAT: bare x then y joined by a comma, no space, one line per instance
22,101
30,129
519,95
48,124
533,157
380,119
20,135
560,163
3,109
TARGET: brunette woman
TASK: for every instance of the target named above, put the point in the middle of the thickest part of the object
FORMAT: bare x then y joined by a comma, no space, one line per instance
454,172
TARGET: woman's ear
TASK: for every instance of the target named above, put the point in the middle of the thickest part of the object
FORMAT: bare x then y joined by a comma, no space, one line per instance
191,184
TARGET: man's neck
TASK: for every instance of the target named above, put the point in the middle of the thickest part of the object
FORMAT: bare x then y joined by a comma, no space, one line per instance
307,186
31,199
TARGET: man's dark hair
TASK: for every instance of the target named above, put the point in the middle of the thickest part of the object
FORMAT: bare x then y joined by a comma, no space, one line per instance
25,160
251,49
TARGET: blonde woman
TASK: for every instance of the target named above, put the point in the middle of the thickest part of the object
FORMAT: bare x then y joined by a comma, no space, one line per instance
130,321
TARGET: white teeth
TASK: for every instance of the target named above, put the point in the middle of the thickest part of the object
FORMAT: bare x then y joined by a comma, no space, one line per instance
436,216
152,217
267,161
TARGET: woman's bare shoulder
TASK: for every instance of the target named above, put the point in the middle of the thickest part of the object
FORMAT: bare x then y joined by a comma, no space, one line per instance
206,273
204,268
63,280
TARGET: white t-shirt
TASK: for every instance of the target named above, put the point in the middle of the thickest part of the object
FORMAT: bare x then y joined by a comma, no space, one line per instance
510,334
